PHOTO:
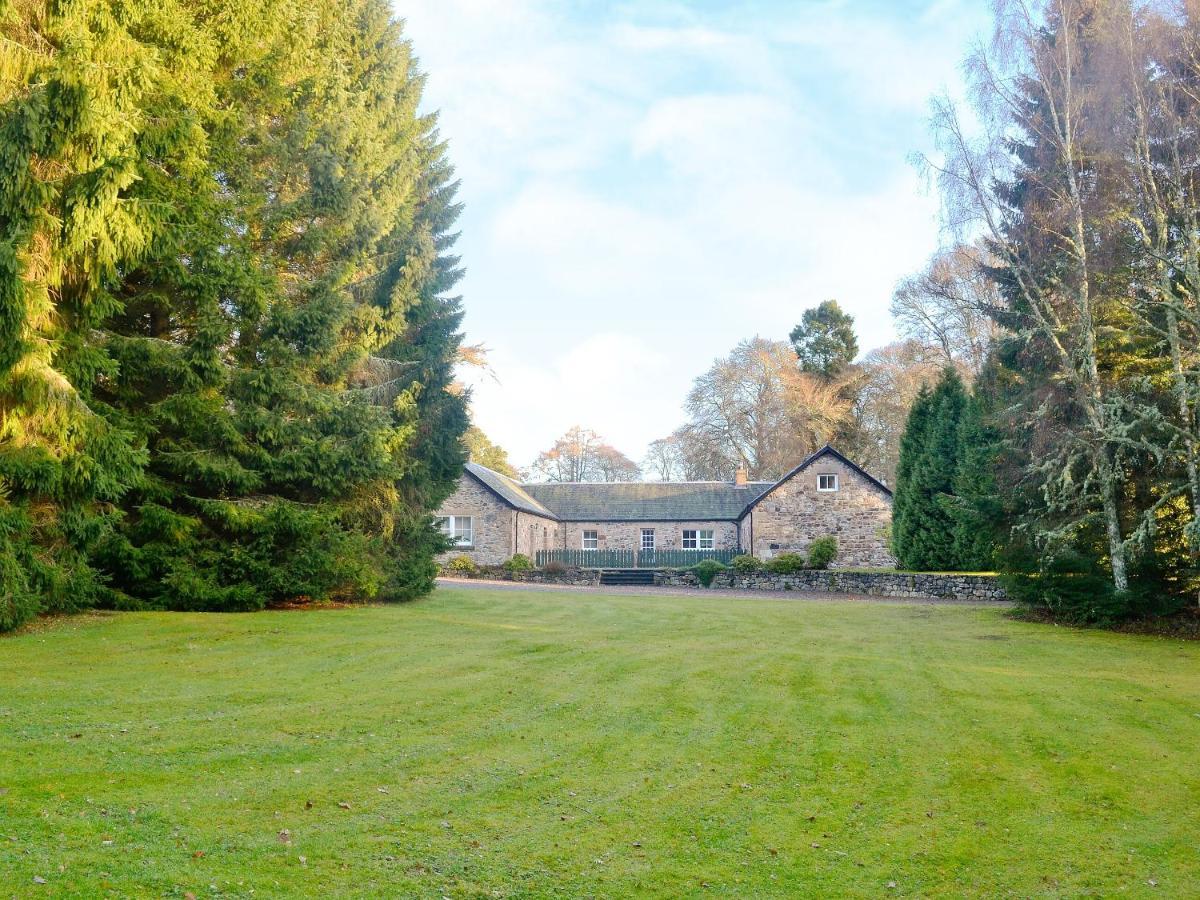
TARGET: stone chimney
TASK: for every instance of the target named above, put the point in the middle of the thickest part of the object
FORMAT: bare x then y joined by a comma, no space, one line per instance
740,478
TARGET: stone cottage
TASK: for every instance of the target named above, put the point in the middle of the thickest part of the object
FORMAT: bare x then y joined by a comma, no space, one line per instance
490,517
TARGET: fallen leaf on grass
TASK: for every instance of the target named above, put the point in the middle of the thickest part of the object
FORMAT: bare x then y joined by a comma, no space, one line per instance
38,879
285,836
343,804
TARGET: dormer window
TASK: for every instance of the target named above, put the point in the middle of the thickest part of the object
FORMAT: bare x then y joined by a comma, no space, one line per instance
827,483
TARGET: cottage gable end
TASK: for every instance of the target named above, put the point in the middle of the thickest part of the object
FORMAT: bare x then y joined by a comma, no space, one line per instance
827,494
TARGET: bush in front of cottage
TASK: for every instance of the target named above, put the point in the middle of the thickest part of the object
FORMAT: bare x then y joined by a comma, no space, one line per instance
706,570
746,564
822,551
518,562
461,565
785,564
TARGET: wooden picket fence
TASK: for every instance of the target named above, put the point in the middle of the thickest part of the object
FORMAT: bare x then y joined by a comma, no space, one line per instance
631,559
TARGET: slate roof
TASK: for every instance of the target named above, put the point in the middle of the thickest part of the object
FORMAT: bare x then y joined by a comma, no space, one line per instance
675,501
648,501
508,490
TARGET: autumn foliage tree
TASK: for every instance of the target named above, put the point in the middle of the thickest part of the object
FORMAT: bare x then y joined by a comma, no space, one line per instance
582,455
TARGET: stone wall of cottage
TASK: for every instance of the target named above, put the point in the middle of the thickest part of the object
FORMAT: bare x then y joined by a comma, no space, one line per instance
788,517
535,533
628,535
492,522
496,525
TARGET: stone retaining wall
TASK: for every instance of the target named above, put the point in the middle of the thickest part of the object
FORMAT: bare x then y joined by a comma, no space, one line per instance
577,577
871,584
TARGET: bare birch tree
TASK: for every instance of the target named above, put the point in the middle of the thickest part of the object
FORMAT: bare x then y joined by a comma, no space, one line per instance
1033,186
950,306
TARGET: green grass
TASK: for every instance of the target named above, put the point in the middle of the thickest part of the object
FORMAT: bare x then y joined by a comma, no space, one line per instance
531,743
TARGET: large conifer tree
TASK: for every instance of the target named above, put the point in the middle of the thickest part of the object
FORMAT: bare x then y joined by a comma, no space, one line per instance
226,340
923,532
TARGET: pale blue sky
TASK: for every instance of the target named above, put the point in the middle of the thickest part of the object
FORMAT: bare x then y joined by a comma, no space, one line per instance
647,183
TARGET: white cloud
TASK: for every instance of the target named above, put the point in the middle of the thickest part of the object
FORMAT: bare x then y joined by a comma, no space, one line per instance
647,184
594,382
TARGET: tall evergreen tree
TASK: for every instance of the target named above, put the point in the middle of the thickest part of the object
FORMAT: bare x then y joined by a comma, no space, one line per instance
247,306
923,532
975,507
824,340
95,101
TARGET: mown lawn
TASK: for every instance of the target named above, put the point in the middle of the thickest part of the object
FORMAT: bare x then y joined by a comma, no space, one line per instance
531,744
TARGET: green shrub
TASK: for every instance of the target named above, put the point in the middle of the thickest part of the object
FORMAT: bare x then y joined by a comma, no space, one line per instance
785,564
1081,598
462,564
822,552
554,567
746,564
706,570
518,562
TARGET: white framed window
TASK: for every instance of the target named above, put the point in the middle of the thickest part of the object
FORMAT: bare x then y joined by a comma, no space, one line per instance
460,529
647,538
698,539
827,482
591,540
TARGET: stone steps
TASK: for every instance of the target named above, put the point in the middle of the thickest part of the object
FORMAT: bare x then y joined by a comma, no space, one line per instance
641,577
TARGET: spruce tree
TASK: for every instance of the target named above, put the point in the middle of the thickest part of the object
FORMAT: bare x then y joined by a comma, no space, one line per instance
308,464
976,507
94,101
906,506
226,340
922,525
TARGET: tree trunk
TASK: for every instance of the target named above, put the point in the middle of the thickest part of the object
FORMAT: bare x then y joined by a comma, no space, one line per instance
1112,520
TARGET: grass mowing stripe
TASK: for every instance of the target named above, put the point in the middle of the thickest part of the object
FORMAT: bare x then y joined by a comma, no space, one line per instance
534,743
